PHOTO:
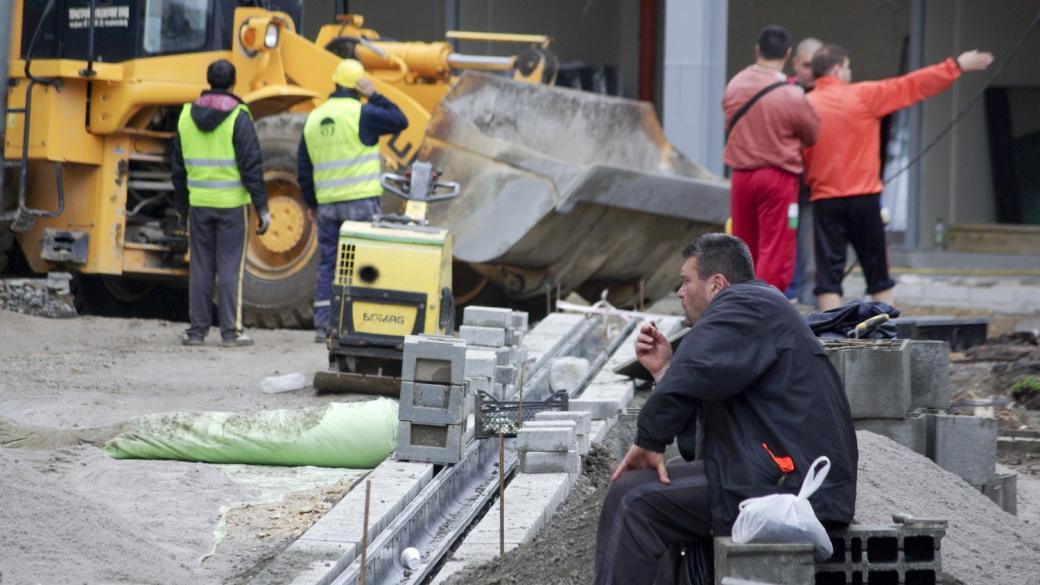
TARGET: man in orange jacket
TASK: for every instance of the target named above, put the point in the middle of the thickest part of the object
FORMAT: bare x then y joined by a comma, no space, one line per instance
843,168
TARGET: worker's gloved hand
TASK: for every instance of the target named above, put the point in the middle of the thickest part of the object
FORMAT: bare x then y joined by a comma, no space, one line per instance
364,87
265,222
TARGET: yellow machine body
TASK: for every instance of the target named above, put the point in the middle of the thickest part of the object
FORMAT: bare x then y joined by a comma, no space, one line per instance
104,128
391,280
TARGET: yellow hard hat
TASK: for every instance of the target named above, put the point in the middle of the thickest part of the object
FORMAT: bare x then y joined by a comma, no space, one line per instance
348,72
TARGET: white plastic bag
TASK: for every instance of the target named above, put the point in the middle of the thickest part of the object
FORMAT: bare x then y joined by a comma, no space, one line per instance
784,518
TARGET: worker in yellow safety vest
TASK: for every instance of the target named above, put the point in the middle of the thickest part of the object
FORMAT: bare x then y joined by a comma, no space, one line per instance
338,167
217,171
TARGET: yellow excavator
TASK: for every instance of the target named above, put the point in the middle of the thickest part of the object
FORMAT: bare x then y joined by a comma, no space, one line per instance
94,88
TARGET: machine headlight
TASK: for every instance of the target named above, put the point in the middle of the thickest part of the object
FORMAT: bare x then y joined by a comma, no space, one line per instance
271,36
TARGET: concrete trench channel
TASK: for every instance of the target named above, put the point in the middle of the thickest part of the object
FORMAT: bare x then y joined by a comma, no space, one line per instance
450,514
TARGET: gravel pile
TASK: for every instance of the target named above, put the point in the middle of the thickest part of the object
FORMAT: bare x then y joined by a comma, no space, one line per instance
39,297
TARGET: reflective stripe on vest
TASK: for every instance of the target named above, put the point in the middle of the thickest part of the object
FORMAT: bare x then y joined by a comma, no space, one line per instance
209,158
345,169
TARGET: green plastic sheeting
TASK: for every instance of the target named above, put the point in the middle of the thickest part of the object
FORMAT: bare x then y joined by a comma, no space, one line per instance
356,435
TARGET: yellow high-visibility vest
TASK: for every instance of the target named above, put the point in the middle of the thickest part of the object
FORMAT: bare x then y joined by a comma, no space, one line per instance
345,169
209,158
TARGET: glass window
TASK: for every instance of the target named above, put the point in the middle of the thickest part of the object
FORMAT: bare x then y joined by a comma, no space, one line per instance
175,26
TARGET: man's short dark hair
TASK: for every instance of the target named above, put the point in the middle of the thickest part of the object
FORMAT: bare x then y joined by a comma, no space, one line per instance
773,42
721,254
221,75
826,57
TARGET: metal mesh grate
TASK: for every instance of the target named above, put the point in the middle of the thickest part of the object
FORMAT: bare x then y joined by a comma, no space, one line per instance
345,265
494,417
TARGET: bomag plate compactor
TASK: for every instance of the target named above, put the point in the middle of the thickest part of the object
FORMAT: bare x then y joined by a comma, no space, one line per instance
392,279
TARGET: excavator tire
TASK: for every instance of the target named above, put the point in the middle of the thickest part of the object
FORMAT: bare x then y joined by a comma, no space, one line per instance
281,296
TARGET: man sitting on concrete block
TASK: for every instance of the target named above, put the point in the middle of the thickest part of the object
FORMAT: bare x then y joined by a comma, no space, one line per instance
770,402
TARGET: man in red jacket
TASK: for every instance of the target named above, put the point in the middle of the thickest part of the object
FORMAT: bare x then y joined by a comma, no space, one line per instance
768,121
843,169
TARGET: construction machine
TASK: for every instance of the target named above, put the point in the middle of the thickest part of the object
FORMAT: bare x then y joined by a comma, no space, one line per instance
96,86
393,279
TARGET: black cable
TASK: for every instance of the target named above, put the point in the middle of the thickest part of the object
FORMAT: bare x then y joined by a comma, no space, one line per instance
1014,49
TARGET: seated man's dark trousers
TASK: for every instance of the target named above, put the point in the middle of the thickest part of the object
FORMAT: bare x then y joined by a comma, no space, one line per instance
642,517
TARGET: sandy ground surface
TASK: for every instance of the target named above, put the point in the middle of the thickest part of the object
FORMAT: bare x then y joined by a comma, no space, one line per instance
71,514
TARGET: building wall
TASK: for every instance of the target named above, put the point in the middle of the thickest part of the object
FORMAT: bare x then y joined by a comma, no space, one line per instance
604,32
956,181
873,32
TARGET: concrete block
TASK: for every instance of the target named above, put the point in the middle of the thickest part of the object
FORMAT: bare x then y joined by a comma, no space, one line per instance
519,321
929,374
1018,445
566,372
911,432
505,374
877,381
571,426
582,419
504,355
432,403
480,362
777,564
584,444
546,439
837,357
430,443
483,336
478,384
604,400
557,462
437,360
1003,490
598,434
487,317
965,445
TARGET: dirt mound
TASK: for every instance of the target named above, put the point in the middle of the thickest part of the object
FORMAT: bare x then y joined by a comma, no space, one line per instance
53,535
983,544
563,553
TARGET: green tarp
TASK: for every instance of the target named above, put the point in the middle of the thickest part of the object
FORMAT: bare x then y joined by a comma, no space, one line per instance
355,435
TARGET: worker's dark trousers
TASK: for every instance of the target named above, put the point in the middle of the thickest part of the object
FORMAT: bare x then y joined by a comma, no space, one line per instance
330,217
217,238
642,517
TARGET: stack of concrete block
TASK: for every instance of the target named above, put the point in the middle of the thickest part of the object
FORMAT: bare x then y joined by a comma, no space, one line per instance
582,425
776,564
549,446
433,409
901,553
900,388
492,330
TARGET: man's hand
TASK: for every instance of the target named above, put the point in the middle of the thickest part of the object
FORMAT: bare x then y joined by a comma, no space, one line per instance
265,222
974,61
653,350
364,87
312,214
640,458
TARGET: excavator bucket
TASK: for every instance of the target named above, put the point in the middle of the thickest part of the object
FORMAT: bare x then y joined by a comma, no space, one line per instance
567,190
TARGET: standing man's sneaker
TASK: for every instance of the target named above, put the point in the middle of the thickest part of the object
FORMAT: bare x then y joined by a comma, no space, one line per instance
191,340
242,340
320,336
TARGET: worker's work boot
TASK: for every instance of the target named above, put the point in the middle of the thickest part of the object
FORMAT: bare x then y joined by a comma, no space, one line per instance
191,340
320,336
241,340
